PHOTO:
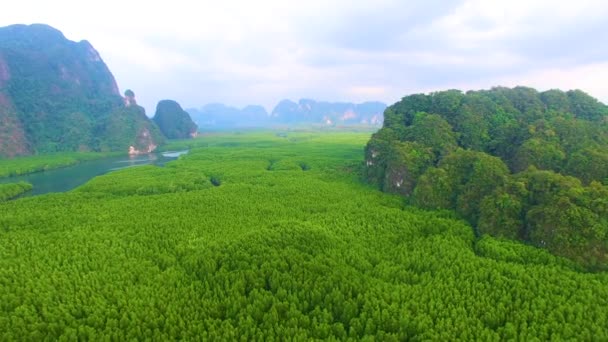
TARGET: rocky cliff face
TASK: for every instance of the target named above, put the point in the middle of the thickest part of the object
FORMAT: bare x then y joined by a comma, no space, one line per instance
12,135
173,121
128,129
55,94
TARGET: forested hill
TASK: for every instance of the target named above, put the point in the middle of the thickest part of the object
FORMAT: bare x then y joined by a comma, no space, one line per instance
59,95
516,163
173,121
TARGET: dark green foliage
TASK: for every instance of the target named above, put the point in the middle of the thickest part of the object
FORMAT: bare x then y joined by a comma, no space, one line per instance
474,175
546,155
12,190
586,107
552,211
281,255
434,190
406,162
173,121
432,131
589,164
404,111
556,101
504,130
55,94
129,126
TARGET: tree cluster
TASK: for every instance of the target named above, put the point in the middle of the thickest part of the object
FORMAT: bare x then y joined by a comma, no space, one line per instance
515,163
273,253
12,190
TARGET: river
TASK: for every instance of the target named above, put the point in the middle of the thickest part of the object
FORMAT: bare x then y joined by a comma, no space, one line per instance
70,177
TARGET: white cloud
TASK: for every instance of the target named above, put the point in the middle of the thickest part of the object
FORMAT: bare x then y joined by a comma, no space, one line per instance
261,51
590,78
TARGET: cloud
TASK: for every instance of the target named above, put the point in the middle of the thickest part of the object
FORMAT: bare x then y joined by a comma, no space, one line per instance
243,52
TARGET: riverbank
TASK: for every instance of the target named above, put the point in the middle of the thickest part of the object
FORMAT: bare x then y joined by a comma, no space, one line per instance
38,163
69,176
11,190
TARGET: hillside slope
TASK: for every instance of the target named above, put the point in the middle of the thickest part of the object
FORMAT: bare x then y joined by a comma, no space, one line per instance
173,121
55,94
515,163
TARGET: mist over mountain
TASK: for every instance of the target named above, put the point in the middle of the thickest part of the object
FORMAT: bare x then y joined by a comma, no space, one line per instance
330,113
218,115
287,112
59,95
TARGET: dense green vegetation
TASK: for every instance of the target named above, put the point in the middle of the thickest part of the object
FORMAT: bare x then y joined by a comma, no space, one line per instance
285,244
129,126
515,163
57,95
31,164
173,121
12,190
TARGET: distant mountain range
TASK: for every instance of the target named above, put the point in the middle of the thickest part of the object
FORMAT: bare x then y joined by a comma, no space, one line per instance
59,95
287,112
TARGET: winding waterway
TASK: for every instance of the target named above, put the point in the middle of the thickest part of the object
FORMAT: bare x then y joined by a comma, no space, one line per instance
68,178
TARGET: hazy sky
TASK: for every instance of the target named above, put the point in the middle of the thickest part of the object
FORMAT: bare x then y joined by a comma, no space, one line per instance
259,52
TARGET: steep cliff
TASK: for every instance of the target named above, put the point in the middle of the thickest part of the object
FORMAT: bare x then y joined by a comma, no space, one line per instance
173,121
55,94
127,128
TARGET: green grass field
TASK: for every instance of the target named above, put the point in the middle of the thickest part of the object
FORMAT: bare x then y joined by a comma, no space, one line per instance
267,236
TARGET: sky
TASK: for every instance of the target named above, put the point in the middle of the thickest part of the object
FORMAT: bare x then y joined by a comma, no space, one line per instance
260,52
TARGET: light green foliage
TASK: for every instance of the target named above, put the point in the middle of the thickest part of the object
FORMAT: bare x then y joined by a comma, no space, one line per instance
25,165
273,253
148,180
12,190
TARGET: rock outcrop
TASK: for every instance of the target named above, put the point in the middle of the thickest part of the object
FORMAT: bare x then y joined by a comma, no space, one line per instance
57,95
173,121
128,129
